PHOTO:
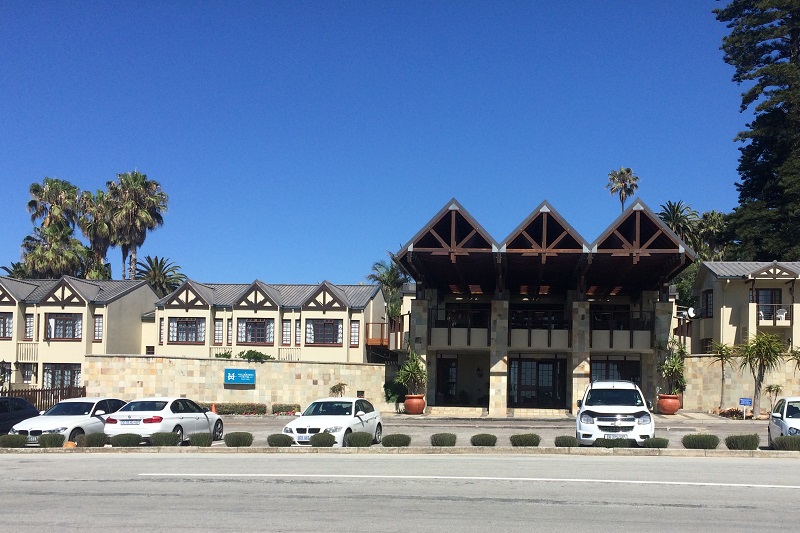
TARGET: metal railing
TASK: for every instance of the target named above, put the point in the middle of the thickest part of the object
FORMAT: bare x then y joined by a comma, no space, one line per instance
289,354
778,314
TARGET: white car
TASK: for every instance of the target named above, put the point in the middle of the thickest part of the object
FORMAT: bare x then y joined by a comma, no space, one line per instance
146,416
338,416
613,410
71,418
784,420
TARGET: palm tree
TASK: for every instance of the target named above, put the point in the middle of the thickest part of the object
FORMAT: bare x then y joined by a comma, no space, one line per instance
95,220
54,201
623,182
16,270
710,244
161,274
139,205
391,277
761,354
725,356
680,218
53,252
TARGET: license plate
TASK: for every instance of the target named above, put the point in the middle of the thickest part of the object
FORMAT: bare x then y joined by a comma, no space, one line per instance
303,438
616,436
129,422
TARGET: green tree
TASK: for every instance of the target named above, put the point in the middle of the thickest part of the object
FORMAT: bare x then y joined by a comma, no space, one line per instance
763,46
761,354
623,182
139,206
16,270
391,277
161,274
725,355
55,202
681,219
53,252
95,220
709,236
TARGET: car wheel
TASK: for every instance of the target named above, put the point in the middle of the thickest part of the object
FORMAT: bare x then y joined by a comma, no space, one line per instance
346,438
77,432
179,431
218,430
378,434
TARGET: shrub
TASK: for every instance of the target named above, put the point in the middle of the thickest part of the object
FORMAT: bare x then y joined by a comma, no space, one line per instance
322,440
13,441
242,439
613,443
52,440
699,441
655,442
787,443
525,439
254,355
566,441
126,440
394,392
238,408
279,440
203,440
92,440
360,439
483,439
338,389
224,355
742,442
165,438
285,408
443,439
396,440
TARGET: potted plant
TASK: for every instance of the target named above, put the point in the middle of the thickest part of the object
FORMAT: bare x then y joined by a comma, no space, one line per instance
671,369
413,375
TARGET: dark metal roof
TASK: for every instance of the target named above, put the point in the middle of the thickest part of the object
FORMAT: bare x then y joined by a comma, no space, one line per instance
98,292
747,269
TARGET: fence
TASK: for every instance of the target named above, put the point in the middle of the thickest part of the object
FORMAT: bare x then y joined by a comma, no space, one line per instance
44,399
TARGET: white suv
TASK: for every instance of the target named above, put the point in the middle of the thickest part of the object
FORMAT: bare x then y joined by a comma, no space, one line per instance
613,410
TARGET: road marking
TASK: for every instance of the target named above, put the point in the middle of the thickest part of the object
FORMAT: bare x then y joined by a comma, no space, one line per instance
484,478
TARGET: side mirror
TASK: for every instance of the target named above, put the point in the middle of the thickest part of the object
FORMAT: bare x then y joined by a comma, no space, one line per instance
360,414
650,405
99,412
206,409
580,402
776,415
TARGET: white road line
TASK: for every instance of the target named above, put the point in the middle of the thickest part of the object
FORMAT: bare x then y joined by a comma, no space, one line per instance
483,478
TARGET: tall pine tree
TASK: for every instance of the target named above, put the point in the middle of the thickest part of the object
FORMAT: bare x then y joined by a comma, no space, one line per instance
764,48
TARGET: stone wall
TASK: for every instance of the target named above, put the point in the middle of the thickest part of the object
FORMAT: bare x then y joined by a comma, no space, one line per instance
202,379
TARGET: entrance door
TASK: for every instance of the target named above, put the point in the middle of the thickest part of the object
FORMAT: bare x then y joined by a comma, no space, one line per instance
536,383
446,381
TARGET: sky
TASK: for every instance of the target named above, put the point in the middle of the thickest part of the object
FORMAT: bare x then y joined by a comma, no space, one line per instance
302,141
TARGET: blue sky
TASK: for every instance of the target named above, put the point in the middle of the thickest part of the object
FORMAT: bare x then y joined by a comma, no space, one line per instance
299,141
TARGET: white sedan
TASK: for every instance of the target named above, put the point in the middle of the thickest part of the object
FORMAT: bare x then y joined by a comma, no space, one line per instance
146,416
71,418
784,420
338,416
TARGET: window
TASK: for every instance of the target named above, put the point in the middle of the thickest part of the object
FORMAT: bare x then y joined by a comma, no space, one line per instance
189,330
324,331
29,327
230,331
286,333
355,325
707,345
298,331
255,331
28,371
64,326
149,350
160,331
708,303
5,372
61,375
625,369
218,332
768,301
98,328
6,325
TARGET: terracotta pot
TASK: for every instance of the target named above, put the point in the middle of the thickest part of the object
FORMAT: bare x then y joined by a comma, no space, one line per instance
414,404
668,404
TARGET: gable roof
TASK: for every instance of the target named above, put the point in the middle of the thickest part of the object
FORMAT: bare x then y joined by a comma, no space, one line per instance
98,292
754,269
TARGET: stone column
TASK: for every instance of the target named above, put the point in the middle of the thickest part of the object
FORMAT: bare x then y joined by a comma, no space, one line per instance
498,360
581,368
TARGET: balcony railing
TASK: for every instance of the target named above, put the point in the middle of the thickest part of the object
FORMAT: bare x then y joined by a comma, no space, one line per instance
466,318
377,334
27,352
289,354
774,314
628,327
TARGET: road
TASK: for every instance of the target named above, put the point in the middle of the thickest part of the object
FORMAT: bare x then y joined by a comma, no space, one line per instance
394,493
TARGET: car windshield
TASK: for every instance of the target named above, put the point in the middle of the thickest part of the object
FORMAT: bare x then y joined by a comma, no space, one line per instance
70,409
144,406
793,410
329,409
625,397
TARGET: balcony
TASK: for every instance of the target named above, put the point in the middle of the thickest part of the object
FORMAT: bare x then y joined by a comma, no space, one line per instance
777,315
463,325
621,329
27,352
539,328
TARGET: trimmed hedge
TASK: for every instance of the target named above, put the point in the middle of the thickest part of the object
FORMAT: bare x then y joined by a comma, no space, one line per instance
126,440
322,440
655,442
483,439
52,440
700,441
279,440
787,443
13,441
92,440
241,439
202,440
742,442
396,440
285,408
525,439
165,438
360,439
238,408
443,439
566,441
613,443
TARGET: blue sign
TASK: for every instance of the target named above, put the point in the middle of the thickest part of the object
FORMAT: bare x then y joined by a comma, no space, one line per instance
240,376
746,401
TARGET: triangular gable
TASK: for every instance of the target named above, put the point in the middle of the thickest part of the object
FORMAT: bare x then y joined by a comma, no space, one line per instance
639,232
774,270
190,295
326,298
6,298
258,297
451,232
544,233
63,294
15,290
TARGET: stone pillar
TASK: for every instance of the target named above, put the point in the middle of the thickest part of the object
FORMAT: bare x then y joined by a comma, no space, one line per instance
498,360
581,368
418,340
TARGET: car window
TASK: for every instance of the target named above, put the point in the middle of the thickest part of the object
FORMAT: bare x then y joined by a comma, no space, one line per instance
144,406
70,409
191,407
114,405
102,405
623,397
177,406
4,408
793,410
18,404
367,407
778,409
329,409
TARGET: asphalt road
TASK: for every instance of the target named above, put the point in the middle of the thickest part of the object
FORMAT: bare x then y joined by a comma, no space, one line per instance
395,493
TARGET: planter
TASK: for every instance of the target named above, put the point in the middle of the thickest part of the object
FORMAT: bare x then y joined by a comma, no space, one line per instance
414,404
668,404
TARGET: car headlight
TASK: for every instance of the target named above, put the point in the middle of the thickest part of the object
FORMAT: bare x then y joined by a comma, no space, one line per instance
334,429
794,431
13,431
645,419
586,419
54,430
288,430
